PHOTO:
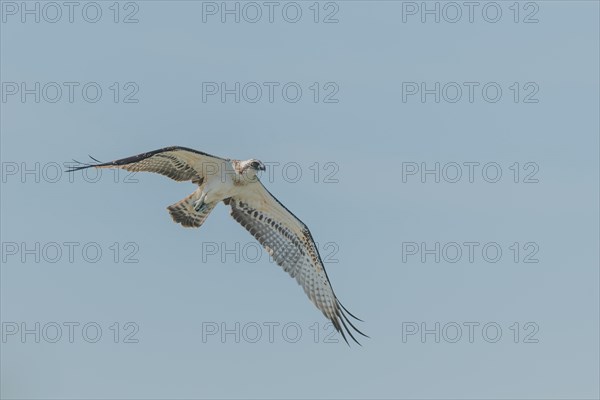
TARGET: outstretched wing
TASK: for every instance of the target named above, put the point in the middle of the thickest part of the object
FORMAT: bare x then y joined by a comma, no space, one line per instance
178,163
289,242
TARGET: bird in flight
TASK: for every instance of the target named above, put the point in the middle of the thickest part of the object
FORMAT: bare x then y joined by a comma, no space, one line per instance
234,182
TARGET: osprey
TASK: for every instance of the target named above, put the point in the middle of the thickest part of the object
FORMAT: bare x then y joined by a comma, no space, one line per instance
235,183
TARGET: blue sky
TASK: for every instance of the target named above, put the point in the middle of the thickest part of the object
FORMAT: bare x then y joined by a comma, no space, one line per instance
388,180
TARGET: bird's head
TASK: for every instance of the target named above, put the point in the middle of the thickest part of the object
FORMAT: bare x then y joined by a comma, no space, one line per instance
250,168
256,165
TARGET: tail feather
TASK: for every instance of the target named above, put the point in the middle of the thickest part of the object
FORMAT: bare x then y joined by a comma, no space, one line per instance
184,213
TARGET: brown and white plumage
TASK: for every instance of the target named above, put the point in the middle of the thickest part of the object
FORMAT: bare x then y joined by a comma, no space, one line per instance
278,230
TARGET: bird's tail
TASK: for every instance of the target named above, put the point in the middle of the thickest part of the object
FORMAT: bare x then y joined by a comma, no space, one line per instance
184,212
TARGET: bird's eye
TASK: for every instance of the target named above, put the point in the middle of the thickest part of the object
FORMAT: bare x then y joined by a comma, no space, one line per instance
254,164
